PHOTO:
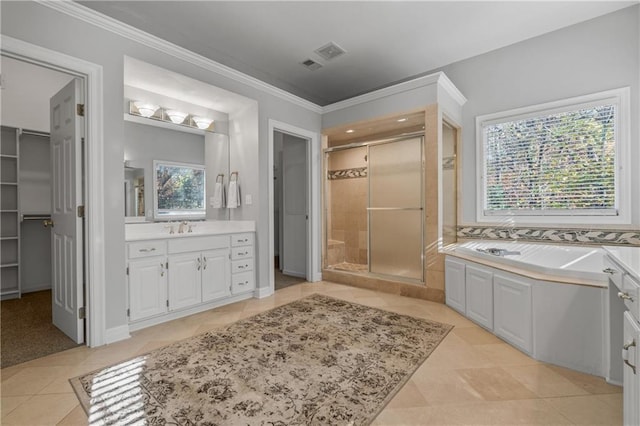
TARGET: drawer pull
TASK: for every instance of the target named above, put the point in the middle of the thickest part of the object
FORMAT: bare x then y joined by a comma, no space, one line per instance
199,264
147,250
625,296
162,269
609,271
204,261
625,354
244,283
242,266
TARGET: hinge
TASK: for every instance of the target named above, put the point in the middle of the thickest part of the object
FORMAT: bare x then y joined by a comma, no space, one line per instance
167,265
128,313
80,110
80,211
127,270
167,303
81,313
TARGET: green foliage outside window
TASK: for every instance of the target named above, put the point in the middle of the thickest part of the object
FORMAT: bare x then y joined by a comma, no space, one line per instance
180,188
561,161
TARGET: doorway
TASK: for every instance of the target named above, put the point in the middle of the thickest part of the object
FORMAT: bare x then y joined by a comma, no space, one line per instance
291,209
35,306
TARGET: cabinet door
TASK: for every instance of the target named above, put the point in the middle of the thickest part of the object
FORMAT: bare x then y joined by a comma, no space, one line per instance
512,311
631,377
185,280
454,284
216,281
479,292
147,288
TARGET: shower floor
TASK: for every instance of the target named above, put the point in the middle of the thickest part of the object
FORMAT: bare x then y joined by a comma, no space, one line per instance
351,267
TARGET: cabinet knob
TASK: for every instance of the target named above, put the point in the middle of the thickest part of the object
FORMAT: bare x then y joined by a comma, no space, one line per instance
609,271
625,296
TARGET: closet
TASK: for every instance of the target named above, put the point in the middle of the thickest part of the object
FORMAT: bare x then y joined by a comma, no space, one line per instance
26,203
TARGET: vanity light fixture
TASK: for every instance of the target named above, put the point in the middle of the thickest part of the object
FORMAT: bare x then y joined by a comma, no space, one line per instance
202,122
159,113
350,131
176,117
402,120
145,109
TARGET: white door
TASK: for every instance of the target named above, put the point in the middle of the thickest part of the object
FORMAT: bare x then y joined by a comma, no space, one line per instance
216,282
294,200
185,280
66,196
147,288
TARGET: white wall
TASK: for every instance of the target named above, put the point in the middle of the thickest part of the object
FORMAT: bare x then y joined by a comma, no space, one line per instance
26,90
589,57
40,25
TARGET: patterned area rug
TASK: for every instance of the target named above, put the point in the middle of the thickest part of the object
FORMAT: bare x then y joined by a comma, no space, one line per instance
318,360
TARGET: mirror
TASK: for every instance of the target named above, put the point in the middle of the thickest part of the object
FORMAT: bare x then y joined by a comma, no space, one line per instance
146,144
133,192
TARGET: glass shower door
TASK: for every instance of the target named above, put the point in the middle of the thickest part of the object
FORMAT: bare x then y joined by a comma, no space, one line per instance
396,208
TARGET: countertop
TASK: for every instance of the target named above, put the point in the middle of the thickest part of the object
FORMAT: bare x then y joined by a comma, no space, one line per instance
161,230
627,257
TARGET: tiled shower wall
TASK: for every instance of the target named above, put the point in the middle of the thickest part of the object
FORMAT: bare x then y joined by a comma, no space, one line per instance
347,219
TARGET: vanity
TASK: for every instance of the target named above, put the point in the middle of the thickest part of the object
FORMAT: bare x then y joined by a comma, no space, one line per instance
178,269
622,264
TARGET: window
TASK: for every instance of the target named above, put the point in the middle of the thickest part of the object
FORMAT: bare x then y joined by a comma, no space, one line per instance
179,190
563,159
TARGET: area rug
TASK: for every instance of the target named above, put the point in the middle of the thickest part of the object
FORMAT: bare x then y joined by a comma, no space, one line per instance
318,360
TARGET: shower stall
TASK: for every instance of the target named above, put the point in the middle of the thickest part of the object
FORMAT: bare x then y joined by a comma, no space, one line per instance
374,208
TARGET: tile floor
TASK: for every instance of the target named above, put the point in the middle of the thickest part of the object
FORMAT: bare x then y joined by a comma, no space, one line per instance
471,378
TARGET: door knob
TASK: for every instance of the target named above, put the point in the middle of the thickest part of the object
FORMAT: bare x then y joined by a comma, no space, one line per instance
47,223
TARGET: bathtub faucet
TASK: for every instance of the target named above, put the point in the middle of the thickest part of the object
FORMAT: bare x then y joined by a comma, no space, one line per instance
498,251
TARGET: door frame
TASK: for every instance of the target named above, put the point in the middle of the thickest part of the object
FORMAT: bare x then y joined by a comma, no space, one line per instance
94,235
313,199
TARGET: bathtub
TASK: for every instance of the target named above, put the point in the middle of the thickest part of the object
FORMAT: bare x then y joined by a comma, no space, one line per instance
576,264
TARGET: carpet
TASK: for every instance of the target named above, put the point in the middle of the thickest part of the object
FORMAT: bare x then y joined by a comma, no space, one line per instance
27,329
318,360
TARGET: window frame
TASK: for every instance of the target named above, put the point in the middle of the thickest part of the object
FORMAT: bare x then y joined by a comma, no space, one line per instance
622,215
179,215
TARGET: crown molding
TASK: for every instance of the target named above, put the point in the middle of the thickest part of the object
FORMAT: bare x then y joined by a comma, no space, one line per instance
436,78
97,19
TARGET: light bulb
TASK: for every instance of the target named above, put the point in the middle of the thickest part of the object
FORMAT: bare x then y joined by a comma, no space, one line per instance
176,116
145,109
202,122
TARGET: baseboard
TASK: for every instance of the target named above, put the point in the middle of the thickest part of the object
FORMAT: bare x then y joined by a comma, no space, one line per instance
262,292
40,287
116,334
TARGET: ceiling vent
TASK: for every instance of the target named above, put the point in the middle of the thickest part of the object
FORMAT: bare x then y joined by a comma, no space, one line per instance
330,51
311,64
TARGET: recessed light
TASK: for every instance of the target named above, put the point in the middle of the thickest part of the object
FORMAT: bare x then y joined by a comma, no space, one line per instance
350,131
402,120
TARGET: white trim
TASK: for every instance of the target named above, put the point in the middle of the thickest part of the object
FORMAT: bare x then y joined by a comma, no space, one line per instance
313,230
94,175
440,78
116,334
93,17
262,292
620,97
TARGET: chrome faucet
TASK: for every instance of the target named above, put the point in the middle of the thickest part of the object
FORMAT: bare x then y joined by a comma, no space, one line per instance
181,226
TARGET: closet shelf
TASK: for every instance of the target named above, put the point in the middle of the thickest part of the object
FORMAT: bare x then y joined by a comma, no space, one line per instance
9,265
8,238
8,211
9,183
8,156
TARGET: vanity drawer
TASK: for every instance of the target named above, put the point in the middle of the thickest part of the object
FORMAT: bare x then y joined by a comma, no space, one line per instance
146,249
186,244
242,239
241,265
614,271
241,252
630,294
242,282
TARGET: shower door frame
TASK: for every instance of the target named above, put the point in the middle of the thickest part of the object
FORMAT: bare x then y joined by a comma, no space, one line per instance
367,144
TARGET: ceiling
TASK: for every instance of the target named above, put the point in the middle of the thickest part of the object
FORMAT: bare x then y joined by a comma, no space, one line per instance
386,42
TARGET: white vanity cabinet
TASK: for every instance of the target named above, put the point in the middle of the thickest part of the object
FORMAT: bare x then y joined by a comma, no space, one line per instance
180,275
242,263
631,371
454,276
147,279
